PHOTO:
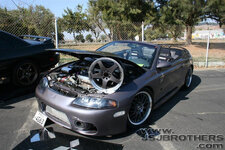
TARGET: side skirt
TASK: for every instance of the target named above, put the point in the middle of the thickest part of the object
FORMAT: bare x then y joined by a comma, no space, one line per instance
166,97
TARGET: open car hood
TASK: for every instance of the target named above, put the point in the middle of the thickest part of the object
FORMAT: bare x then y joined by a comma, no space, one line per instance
85,53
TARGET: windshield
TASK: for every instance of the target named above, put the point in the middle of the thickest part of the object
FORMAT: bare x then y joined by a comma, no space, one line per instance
141,54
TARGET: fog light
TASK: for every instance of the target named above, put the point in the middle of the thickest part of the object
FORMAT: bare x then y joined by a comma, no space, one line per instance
118,114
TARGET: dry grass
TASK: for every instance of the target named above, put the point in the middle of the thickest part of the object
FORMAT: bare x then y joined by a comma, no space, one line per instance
197,49
89,47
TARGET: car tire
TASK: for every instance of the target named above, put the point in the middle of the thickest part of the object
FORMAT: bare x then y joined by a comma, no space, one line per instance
141,108
188,79
25,74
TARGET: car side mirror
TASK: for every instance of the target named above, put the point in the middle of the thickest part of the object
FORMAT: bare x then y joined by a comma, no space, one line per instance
163,65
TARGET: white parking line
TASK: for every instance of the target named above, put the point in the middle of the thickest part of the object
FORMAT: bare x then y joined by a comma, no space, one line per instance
210,88
208,113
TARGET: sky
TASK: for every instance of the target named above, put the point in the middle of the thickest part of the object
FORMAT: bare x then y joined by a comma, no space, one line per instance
56,6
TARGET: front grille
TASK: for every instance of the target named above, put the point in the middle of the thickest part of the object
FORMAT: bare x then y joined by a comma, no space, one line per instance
57,114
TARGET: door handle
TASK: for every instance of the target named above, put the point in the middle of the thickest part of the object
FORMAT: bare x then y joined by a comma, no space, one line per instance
161,78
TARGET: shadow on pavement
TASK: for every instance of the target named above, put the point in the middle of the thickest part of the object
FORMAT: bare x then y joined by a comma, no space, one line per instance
62,142
9,91
162,110
89,143
10,94
5,103
180,96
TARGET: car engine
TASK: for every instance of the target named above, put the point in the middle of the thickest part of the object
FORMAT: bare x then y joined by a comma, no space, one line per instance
72,79
90,75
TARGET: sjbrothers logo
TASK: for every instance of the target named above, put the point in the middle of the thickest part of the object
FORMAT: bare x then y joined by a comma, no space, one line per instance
208,141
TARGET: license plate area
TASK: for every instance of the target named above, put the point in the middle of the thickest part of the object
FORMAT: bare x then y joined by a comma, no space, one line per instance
40,118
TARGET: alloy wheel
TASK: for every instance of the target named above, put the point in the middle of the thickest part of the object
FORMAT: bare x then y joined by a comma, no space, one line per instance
140,108
26,74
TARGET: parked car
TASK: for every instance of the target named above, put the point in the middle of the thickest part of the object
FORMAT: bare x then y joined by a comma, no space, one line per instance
116,87
23,58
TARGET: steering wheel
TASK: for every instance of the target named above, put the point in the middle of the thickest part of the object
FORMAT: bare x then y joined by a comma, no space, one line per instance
106,75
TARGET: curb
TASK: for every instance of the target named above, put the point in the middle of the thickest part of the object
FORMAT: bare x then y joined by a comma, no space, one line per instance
210,64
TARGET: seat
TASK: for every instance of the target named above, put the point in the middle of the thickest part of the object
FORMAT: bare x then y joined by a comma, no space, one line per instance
174,54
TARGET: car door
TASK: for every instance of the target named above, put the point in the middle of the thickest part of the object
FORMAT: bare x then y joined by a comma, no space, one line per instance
5,47
178,63
167,75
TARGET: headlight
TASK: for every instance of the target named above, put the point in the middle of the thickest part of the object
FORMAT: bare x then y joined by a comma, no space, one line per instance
43,83
93,102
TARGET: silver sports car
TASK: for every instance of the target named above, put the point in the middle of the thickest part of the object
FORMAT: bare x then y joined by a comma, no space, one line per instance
105,92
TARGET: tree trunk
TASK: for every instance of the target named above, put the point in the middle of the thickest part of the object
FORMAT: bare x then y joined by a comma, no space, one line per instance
118,32
188,35
74,36
103,30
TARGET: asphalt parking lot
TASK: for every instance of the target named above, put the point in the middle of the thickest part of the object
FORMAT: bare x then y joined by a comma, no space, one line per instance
198,111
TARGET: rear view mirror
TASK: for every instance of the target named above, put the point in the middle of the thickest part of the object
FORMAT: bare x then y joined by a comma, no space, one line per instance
163,64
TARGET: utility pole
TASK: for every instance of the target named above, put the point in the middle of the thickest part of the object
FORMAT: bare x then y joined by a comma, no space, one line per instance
56,34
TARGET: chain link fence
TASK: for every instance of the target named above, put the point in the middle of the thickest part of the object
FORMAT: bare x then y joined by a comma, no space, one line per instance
94,36
98,35
43,26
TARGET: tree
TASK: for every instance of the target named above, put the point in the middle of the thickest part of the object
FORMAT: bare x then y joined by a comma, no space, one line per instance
155,33
103,38
93,28
215,9
38,20
175,31
109,14
75,22
35,20
89,38
80,38
10,23
96,18
169,23
189,12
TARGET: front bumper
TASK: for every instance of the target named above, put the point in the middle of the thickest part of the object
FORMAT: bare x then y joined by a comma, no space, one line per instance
96,122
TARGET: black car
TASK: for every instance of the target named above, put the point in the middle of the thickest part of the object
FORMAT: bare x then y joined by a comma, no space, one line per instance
23,58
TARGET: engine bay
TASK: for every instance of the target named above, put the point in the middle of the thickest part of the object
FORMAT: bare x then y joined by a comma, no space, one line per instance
91,75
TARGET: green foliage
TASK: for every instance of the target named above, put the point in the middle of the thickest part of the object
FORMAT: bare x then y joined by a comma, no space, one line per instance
89,38
116,19
9,23
74,21
80,38
169,22
103,38
33,20
119,16
189,13
176,15
215,9
155,33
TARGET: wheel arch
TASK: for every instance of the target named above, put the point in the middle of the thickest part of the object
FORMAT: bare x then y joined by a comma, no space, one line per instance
150,89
